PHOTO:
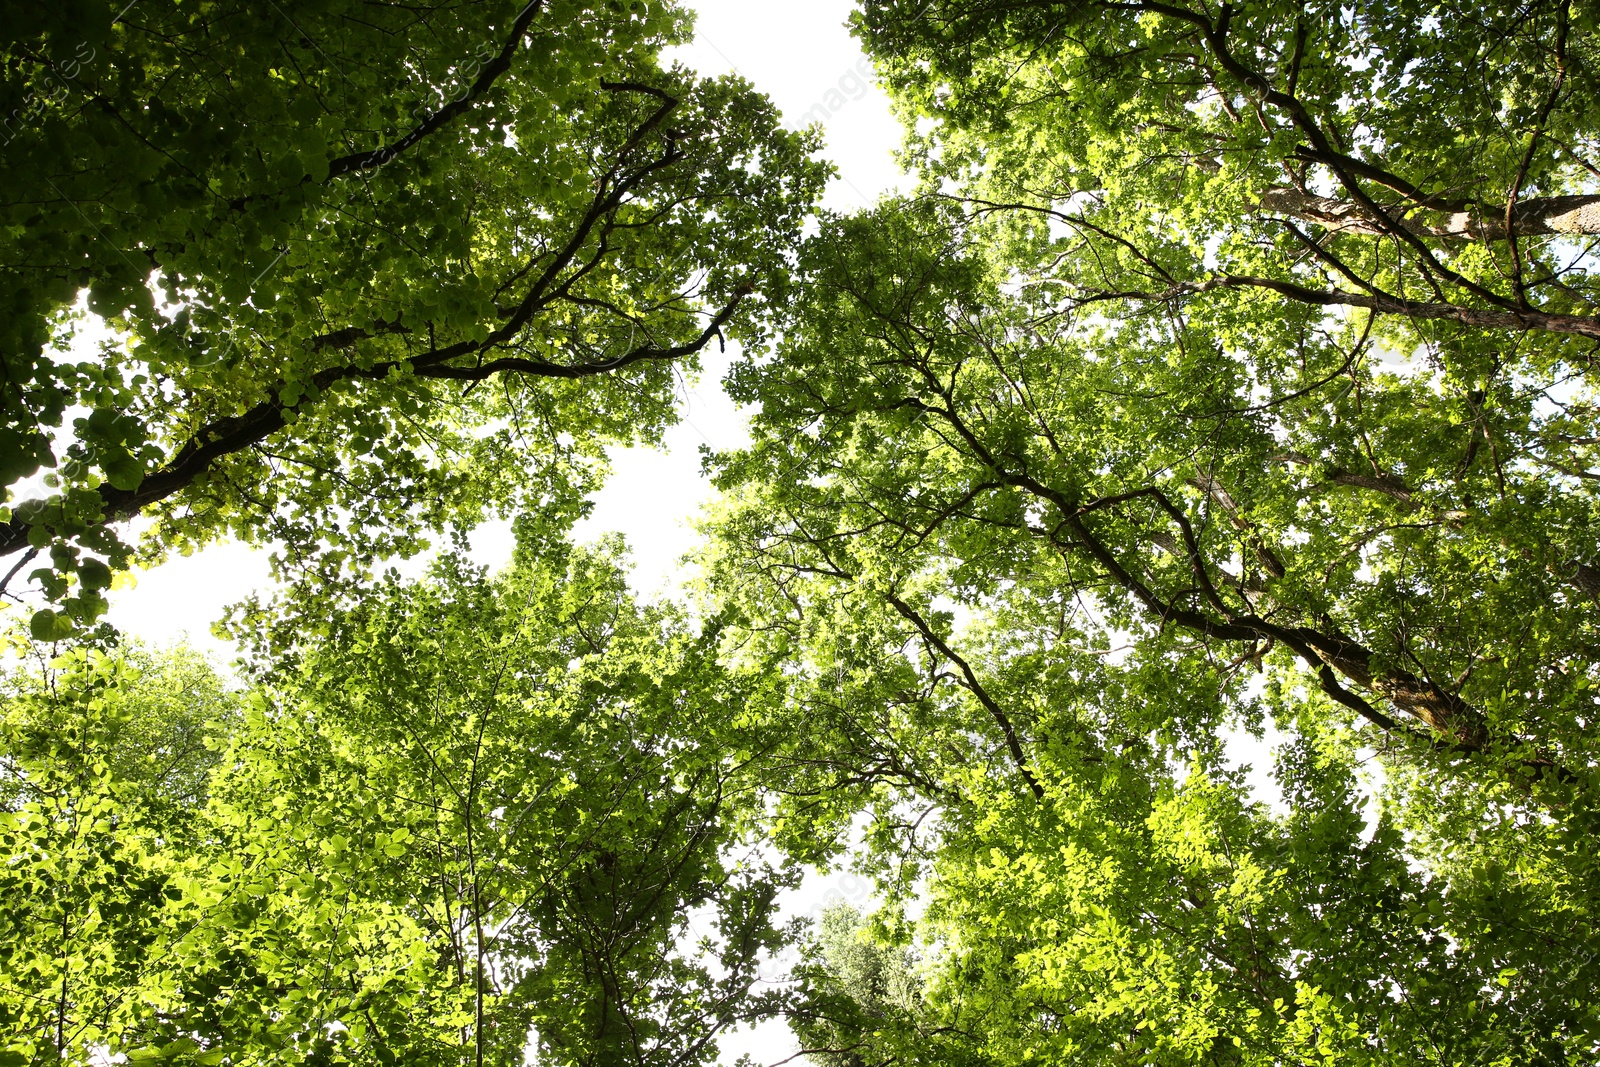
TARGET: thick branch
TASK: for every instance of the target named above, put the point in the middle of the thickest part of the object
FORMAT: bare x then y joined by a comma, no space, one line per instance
1444,712
585,370
1485,318
225,437
1536,217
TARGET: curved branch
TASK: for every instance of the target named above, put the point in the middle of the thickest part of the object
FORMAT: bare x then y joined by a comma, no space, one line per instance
1484,318
27,558
1013,745
491,73
544,369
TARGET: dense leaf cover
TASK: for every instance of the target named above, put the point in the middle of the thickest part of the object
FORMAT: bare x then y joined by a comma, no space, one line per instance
1233,370
375,267
477,814
1228,380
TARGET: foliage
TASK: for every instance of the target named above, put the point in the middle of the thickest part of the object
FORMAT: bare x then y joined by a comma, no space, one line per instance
1429,162
1221,341
1228,382
854,985
1024,561
107,763
473,810
370,269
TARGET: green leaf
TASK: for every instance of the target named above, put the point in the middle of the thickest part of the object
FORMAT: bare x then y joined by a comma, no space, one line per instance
47,625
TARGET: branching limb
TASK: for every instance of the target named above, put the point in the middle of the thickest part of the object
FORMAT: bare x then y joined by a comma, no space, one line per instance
360,161
232,434
973,686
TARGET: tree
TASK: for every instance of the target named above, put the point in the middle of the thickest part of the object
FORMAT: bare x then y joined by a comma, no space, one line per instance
1222,340
1231,371
1022,560
1132,919
1244,478
857,992
469,815
107,762
372,270
1432,164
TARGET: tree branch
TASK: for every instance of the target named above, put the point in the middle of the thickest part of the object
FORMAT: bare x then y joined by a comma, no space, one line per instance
1384,303
491,73
226,436
1536,217
1013,745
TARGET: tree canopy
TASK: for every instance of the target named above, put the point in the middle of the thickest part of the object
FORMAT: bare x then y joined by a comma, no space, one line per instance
373,269
477,814
1225,385
1142,570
